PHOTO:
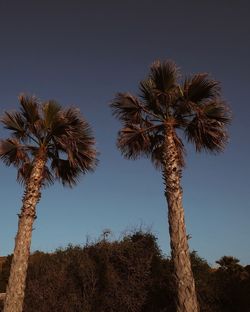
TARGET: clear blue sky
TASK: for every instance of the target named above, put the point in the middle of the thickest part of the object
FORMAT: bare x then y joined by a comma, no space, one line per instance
82,53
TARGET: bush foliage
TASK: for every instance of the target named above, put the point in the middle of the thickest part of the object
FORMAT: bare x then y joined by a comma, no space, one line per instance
130,275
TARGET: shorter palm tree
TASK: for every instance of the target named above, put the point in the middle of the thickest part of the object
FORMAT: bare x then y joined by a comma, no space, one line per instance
47,143
152,126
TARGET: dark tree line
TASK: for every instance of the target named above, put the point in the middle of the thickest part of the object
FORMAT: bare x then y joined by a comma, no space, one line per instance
129,275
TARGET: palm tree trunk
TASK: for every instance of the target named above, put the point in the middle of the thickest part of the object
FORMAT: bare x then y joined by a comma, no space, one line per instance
186,294
16,284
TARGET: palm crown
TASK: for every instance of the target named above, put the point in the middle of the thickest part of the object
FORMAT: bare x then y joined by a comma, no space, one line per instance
62,134
194,106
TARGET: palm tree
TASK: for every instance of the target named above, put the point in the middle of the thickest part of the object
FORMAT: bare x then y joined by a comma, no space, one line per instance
47,143
153,125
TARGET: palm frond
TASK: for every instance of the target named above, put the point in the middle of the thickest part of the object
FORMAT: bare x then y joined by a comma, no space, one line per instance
72,125
126,107
29,108
217,110
182,108
147,90
82,132
135,141
51,111
14,122
85,156
80,153
65,172
76,141
206,133
164,75
12,152
200,87
207,130
149,95
48,178
72,117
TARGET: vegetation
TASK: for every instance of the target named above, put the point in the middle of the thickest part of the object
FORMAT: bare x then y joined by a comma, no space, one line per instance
130,275
152,126
47,143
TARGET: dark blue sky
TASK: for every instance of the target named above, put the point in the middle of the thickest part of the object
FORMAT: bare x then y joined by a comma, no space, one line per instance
82,53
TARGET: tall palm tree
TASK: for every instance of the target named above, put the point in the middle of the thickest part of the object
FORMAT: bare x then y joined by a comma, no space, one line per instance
47,143
153,125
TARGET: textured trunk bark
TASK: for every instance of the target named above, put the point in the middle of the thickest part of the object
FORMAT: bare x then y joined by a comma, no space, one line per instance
186,294
16,284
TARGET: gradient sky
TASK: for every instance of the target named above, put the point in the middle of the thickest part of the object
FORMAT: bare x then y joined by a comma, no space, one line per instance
81,53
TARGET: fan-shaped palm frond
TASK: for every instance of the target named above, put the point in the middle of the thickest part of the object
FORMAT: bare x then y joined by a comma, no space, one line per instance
66,173
151,98
200,87
206,134
29,108
207,129
127,108
12,152
217,110
164,75
14,122
133,141
51,111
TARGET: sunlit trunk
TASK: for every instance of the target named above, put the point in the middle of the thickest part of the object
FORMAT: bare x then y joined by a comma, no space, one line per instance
185,286
16,284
